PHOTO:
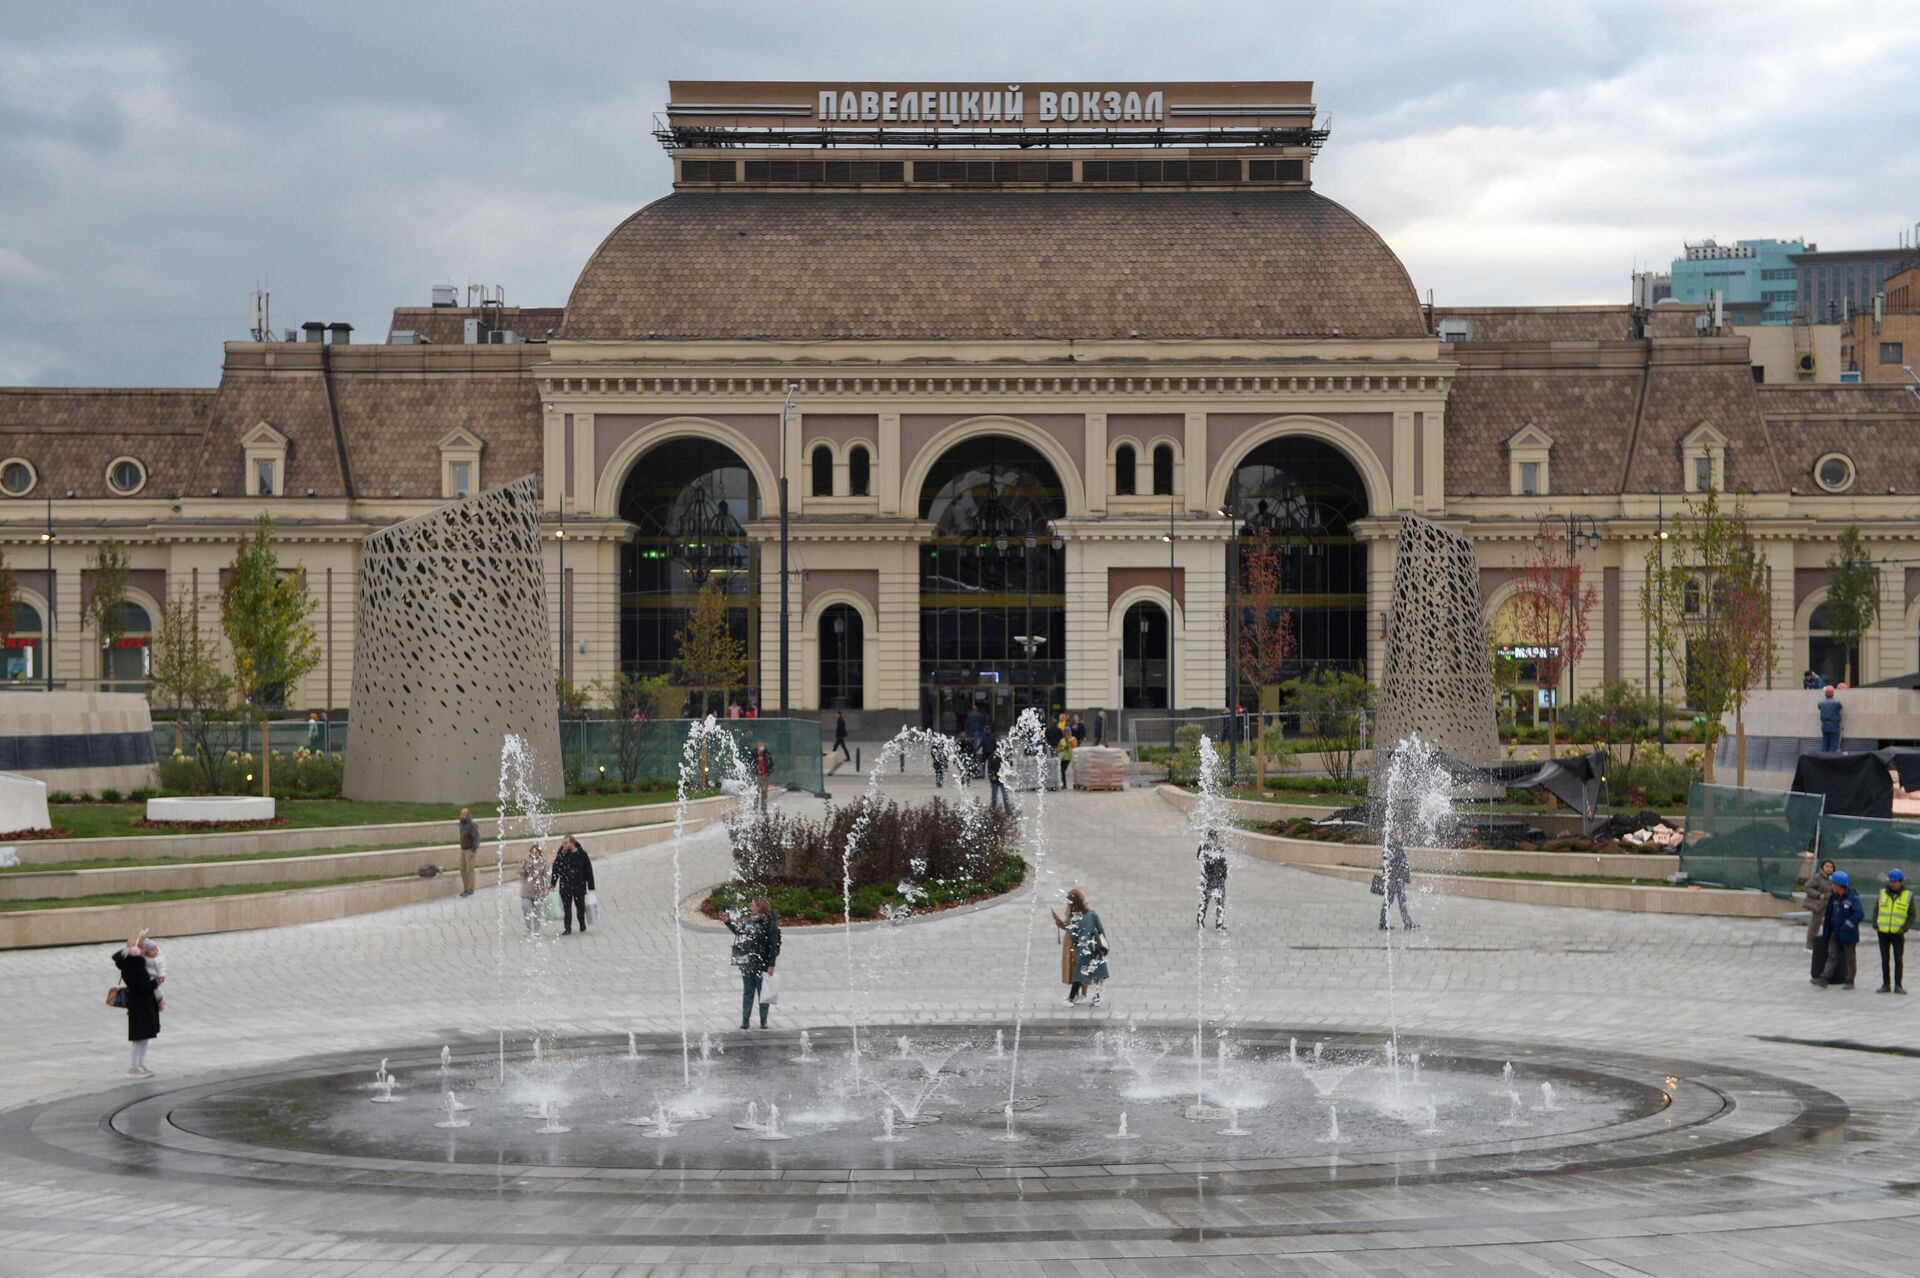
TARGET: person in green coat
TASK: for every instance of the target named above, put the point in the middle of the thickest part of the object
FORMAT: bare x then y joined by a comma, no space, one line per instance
1083,949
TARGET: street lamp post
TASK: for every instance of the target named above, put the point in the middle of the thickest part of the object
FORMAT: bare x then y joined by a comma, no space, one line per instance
793,388
46,635
1232,512
1173,578
561,536
1660,601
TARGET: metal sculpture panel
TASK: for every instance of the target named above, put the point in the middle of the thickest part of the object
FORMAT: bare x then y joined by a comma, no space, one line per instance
452,654
1438,680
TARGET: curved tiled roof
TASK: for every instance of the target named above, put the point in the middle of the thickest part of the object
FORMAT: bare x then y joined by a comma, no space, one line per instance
984,265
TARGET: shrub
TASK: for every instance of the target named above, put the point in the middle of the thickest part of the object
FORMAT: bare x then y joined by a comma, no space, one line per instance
140,795
59,796
110,794
920,844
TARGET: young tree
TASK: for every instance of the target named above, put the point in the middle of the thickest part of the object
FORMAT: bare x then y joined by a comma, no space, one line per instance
1617,714
633,700
267,615
1551,611
9,595
1333,707
187,678
1853,596
710,656
1266,632
1723,631
106,605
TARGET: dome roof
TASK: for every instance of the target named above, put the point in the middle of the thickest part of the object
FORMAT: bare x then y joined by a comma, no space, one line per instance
991,265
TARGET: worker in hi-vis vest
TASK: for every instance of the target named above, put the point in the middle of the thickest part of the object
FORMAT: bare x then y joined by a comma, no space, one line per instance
1891,921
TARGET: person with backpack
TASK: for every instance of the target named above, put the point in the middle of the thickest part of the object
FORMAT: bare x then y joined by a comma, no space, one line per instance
1842,932
1083,949
1891,921
756,951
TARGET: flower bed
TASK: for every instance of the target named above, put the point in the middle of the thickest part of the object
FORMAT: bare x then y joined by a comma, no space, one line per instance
187,827
930,856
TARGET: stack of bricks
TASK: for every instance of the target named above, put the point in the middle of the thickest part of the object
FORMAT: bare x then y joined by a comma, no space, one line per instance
1100,768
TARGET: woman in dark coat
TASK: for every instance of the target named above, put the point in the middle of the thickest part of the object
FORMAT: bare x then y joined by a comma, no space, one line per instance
755,953
143,1003
1395,875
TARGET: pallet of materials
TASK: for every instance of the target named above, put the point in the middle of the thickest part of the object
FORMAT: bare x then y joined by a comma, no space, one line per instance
1100,768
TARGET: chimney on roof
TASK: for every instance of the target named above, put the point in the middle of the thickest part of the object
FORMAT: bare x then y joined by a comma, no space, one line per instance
340,333
313,331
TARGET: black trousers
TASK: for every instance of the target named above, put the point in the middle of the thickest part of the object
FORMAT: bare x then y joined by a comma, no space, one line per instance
840,744
1840,963
1819,956
1893,958
571,904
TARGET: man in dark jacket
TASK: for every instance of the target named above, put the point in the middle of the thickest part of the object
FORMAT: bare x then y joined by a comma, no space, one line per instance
1396,872
840,735
573,879
762,767
469,849
1213,881
1843,932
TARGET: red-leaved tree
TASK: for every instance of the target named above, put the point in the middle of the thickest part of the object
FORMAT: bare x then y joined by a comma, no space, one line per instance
1266,630
1550,612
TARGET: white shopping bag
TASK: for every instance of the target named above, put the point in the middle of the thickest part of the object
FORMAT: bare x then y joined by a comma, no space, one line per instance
770,988
593,907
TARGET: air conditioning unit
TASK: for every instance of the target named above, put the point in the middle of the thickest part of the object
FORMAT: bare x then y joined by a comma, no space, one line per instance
406,337
1806,363
477,333
1455,330
504,337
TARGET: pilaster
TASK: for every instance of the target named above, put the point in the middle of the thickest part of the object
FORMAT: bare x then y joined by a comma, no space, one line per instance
1095,470
886,464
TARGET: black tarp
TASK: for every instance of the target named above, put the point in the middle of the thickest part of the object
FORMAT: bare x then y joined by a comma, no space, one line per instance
1855,785
1579,782
1904,760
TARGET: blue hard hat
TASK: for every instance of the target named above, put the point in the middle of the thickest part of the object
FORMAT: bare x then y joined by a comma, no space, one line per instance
1840,878
1895,876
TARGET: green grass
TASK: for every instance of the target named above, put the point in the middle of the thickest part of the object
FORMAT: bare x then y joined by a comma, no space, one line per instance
115,820
179,894
130,863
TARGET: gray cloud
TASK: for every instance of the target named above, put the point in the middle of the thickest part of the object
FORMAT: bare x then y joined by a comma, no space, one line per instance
159,161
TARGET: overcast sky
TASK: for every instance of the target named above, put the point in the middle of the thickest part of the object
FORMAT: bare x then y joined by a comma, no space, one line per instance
158,162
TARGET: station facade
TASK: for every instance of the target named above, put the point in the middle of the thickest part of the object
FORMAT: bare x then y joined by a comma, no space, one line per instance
1026,374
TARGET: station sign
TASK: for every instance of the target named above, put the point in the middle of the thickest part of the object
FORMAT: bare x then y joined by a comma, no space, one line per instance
776,104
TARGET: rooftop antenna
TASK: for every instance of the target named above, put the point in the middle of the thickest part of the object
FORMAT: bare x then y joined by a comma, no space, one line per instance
262,316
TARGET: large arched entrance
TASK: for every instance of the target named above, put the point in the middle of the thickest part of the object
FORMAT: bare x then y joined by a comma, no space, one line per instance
1298,499
687,500
993,628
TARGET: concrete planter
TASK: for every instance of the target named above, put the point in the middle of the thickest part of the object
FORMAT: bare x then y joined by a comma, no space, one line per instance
212,808
1697,902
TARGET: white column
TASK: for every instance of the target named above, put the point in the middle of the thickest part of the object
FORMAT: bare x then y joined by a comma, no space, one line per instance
1090,664
1096,475
886,464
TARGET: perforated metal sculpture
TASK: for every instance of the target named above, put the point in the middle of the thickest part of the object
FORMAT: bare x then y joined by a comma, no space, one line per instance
1438,680
452,652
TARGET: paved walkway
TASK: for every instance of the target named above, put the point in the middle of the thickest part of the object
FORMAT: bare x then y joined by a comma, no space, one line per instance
1306,954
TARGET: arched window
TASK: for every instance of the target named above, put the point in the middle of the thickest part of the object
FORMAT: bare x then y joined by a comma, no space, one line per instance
1163,471
124,666
1143,657
1123,478
20,658
859,471
823,471
1826,655
841,642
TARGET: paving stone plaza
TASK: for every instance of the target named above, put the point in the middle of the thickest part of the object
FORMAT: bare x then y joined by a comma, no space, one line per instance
1784,1138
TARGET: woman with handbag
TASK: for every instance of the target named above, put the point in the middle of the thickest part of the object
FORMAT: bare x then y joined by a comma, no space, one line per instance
756,951
1395,874
1083,949
533,887
140,997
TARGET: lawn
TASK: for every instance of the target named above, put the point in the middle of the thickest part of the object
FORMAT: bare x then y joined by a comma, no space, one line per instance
115,820
179,894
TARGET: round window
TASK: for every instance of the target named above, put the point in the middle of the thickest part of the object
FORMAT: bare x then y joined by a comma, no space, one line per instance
126,476
1834,472
16,477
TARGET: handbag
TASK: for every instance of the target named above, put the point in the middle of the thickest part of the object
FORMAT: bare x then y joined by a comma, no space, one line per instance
769,989
1377,886
117,996
1100,944
593,907
550,905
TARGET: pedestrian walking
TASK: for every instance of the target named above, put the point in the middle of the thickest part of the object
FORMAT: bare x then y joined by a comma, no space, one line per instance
1391,883
756,952
141,997
1099,727
1830,713
1212,855
762,771
316,734
1819,887
534,886
469,850
1064,752
995,769
1843,933
840,735
1079,731
1083,949
573,878
1891,921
